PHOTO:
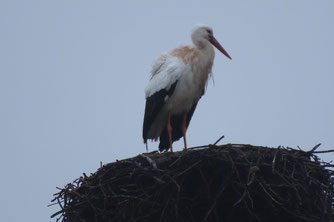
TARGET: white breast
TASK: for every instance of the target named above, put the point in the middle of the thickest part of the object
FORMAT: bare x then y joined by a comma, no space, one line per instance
186,93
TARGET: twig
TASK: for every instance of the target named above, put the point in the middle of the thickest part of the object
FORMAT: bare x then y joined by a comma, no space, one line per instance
198,147
152,162
189,168
271,197
314,148
274,160
220,138
241,198
324,151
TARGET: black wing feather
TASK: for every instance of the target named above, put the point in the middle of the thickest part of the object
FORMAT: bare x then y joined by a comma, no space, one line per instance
153,106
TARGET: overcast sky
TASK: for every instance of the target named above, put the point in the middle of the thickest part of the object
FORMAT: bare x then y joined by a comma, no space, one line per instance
73,73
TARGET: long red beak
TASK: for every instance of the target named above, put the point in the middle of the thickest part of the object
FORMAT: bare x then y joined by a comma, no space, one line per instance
218,46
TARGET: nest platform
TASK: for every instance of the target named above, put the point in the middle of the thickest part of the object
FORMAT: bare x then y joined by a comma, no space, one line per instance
232,182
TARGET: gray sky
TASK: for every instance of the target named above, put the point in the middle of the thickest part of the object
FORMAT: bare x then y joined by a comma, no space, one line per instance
73,73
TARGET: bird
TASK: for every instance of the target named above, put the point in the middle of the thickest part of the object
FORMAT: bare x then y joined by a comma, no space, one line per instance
178,80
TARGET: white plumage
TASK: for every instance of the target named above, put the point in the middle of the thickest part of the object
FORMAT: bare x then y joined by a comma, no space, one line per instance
164,73
178,81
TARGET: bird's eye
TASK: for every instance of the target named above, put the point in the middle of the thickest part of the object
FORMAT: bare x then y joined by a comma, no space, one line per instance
209,32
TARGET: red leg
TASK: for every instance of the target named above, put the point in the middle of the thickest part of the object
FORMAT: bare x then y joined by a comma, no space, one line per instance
169,129
184,129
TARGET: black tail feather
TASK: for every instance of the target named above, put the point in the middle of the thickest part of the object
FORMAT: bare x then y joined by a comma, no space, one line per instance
176,122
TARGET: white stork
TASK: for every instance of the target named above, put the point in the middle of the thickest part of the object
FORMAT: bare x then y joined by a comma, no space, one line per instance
178,80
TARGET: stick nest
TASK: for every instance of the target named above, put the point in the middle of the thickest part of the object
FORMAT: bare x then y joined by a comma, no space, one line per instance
229,182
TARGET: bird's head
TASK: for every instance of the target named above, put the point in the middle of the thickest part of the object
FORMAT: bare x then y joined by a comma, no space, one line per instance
202,34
